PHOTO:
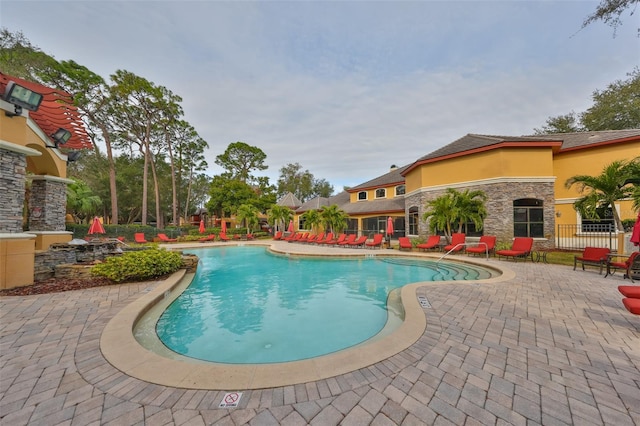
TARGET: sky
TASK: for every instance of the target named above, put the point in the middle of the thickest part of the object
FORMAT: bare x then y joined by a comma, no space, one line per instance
345,88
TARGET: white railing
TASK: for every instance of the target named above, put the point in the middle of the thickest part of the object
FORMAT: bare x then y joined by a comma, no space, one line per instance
486,249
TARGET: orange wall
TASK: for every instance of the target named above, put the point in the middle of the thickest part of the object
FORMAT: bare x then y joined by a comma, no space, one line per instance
505,162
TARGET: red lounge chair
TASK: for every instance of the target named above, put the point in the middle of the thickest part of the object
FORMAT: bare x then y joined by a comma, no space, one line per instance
632,291
224,237
377,241
358,242
433,242
315,238
210,237
627,265
299,237
594,256
488,247
350,238
250,237
138,237
325,239
457,243
405,243
278,235
338,240
291,236
520,248
310,238
165,239
632,305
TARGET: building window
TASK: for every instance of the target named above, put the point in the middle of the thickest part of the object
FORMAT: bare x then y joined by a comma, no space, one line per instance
413,221
362,195
603,222
528,218
400,190
381,193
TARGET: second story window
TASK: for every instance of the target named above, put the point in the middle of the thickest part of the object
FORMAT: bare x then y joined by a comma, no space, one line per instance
381,193
400,189
362,195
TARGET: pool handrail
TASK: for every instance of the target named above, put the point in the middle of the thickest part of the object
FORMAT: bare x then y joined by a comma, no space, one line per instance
486,249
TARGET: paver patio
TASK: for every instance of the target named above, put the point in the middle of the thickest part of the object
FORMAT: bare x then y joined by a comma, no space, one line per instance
550,347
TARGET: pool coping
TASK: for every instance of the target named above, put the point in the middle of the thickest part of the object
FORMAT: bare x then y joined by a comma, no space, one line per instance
124,352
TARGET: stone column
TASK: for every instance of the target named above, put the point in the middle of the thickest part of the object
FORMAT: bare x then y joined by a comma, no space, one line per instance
47,203
13,171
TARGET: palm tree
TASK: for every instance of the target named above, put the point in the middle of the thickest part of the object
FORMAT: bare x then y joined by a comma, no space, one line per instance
81,201
313,219
334,219
607,188
470,207
248,215
441,214
279,215
456,208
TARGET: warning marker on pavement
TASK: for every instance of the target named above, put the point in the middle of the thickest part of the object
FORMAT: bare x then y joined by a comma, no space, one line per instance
230,400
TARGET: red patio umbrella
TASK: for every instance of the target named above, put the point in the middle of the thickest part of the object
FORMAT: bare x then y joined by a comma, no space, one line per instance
635,234
96,227
223,227
201,227
389,226
290,230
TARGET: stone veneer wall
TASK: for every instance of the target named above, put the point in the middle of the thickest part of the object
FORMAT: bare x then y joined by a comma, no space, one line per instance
13,171
49,197
500,197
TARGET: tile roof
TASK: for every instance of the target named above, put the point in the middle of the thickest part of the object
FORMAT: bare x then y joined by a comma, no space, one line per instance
392,177
56,111
571,141
289,200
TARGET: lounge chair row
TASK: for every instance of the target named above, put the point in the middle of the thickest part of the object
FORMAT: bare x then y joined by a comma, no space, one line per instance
139,238
329,239
520,249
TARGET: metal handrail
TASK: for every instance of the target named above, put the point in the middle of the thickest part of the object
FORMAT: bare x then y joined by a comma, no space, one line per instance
486,249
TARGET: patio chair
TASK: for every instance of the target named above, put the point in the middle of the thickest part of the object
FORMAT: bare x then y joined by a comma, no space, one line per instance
224,237
632,291
404,243
210,237
358,242
594,256
278,236
378,239
433,242
138,237
328,237
165,239
457,243
350,238
487,244
632,305
631,266
520,249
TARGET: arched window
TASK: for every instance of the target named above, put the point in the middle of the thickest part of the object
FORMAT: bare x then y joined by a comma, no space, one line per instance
362,195
413,220
528,218
381,193
400,190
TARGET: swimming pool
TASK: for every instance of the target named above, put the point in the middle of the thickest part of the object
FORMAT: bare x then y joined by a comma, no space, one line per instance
248,306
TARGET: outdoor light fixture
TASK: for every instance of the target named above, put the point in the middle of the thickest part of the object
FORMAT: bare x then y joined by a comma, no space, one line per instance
73,156
61,136
21,97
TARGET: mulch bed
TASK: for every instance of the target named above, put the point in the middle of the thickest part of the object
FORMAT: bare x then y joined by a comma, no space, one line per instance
56,285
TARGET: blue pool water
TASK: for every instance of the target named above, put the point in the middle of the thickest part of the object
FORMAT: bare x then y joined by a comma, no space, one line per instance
246,305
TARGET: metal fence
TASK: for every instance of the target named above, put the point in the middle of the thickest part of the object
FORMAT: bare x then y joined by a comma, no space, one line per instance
577,237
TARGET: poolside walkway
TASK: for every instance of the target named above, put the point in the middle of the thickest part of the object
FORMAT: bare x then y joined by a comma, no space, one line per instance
550,347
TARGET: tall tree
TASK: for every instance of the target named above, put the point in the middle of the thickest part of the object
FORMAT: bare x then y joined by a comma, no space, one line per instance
610,12
615,108
240,160
226,195
605,189
301,183
20,58
248,215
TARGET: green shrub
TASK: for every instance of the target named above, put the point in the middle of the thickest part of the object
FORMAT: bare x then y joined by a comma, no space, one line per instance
139,265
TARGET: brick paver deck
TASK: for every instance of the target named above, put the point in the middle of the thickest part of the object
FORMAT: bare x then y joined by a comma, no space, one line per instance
550,347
